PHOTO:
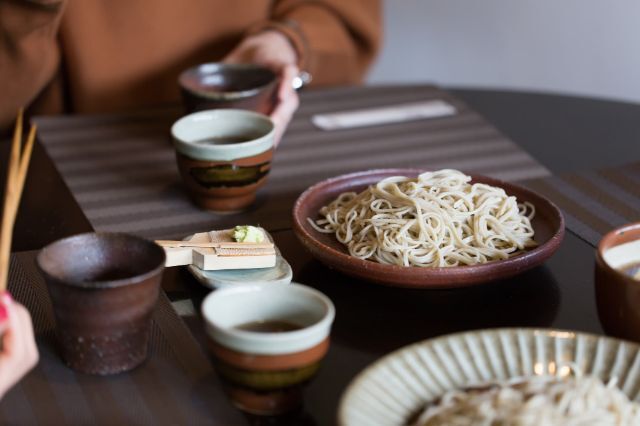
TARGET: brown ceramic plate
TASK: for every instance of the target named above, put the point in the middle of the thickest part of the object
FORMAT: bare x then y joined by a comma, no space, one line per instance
548,225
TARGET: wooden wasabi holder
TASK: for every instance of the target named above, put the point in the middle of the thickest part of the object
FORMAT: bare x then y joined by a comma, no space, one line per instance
216,250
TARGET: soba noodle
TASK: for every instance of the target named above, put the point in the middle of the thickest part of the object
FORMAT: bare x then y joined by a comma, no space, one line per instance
536,401
437,219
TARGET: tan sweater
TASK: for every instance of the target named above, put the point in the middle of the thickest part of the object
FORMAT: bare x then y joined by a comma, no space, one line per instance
109,55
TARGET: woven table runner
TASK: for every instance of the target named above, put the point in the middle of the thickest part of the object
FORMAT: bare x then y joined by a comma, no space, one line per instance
175,386
121,168
595,202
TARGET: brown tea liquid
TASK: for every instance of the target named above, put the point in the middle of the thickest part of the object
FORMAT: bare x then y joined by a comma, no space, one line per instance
228,140
271,326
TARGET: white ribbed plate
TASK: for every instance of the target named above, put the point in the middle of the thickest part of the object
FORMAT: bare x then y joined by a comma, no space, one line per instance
396,387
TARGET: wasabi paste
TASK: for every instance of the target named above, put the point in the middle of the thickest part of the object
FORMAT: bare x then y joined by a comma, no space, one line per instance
248,234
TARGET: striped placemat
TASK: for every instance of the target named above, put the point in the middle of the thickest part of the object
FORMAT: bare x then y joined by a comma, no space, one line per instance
122,171
176,385
595,202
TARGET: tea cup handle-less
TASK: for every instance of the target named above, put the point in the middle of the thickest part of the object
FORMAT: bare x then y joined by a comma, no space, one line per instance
224,156
617,293
103,288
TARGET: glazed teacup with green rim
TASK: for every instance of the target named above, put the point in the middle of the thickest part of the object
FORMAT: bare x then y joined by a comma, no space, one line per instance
267,341
224,156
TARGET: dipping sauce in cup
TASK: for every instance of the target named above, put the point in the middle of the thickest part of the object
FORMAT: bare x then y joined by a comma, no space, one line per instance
224,156
219,85
617,282
267,341
103,289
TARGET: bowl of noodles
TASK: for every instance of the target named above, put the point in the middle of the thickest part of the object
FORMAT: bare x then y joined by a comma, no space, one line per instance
509,376
426,229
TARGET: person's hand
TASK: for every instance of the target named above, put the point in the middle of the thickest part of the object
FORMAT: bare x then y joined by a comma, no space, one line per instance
19,353
272,50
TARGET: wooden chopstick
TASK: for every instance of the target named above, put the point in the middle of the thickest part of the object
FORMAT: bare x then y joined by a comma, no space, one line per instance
15,154
16,175
169,243
25,158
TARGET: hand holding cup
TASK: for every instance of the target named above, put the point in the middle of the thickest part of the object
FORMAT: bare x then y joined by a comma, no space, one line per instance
273,50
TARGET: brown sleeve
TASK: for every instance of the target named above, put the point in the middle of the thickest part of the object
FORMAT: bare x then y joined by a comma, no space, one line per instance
336,40
29,53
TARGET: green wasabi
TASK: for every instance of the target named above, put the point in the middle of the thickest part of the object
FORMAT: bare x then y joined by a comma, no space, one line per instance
248,234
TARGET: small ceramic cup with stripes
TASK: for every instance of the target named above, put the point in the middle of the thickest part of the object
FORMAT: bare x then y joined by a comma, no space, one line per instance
267,341
224,156
617,282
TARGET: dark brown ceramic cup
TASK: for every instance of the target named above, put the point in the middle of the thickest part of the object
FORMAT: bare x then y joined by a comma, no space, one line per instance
265,371
617,293
223,156
103,289
218,85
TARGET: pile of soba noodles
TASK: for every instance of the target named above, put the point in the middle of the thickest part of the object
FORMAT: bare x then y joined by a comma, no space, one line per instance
537,401
437,219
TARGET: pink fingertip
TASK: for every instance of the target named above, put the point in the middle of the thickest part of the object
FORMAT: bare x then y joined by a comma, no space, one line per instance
6,298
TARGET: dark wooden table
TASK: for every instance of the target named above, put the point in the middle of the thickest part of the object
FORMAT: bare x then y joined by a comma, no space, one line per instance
563,133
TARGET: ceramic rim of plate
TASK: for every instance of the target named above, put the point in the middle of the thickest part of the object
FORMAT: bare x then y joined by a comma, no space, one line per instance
397,386
200,125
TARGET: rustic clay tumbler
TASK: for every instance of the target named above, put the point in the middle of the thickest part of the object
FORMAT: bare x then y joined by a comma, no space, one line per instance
617,293
219,85
264,371
224,156
103,289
